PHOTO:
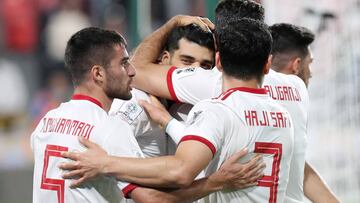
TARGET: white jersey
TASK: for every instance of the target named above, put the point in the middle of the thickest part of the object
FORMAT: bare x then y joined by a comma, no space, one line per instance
197,84
252,120
58,131
151,138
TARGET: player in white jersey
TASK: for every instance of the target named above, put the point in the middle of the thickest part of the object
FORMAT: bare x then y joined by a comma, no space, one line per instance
86,116
292,56
212,143
186,46
192,86
98,62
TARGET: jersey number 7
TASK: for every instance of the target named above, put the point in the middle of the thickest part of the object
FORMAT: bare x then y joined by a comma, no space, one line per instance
270,181
49,183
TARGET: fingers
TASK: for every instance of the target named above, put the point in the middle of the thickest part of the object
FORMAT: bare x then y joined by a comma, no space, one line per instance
78,182
71,155
72,174
87,143
208,23
155,101
69,166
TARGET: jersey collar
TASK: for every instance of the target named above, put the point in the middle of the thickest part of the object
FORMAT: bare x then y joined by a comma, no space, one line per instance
228,92
84,97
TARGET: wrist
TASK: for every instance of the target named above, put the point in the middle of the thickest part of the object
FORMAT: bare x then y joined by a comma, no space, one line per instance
215,184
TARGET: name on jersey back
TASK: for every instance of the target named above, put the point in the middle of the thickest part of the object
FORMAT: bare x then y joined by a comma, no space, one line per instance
283,93
265,118
67,127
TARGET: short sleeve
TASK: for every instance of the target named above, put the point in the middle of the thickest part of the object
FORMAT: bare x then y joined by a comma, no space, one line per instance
121,142
190,85
206,124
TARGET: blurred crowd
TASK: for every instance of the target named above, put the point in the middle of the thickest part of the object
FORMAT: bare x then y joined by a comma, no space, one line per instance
33,36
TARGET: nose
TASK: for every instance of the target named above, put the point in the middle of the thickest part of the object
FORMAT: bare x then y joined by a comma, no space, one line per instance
131,70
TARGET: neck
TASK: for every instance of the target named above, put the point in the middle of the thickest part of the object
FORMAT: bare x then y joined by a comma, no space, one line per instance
229,82
95,93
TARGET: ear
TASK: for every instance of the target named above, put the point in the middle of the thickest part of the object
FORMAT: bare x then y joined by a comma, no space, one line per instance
98,74
295,66
165,58
218,62
268,64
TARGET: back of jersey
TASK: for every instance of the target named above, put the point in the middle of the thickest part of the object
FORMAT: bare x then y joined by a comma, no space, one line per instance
253,120
58,131
290,92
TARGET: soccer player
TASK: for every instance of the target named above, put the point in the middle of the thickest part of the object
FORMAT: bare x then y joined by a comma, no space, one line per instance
243,116
292,55
289,91
187,45
99,64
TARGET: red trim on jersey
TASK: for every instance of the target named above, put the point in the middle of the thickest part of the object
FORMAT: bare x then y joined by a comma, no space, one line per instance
170,84
84,97
200,139
226,94
129,188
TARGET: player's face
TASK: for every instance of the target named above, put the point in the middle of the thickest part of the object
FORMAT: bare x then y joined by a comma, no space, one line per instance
119,75
191,54
305,72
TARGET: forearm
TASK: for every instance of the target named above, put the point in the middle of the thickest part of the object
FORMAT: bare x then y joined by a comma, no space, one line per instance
151,47
151,172
315,188
198,189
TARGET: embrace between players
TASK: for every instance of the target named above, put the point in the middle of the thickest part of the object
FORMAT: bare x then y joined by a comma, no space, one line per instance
244,140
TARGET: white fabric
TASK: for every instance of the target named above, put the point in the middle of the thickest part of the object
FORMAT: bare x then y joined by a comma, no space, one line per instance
204,84
226,135
88,120
290,91
151,138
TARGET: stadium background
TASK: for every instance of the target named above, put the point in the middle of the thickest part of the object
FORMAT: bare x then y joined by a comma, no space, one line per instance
33,34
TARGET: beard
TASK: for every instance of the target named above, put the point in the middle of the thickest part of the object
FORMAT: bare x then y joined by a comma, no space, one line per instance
115,90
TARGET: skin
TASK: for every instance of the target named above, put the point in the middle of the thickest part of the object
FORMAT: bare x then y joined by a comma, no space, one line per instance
189,54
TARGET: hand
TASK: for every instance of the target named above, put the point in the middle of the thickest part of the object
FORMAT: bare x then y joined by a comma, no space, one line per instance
204,23
235,175
156,111
85,165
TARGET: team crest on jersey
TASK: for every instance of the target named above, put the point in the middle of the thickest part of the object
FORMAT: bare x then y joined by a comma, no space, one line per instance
185,71
196,115
129,111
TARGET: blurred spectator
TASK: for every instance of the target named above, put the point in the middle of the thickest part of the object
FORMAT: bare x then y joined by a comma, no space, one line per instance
13,97
57,90
70,18
20,18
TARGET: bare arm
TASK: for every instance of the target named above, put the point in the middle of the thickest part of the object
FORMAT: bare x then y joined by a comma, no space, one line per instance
315,188
150,76
231,175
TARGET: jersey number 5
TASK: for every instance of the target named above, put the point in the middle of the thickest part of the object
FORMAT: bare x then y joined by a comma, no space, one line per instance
270,181
49,183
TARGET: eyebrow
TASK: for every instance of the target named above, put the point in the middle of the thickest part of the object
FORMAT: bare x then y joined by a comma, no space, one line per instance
125,59
192,58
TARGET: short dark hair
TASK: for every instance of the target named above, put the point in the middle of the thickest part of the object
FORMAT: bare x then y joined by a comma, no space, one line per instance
244,46
227,10
191,32
288,38
88,47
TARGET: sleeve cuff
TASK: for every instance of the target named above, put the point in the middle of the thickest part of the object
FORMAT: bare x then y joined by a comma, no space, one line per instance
175,130
128,189
200,139
170,84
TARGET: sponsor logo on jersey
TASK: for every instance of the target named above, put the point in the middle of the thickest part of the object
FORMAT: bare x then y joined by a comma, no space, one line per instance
129,111
195,116
185,71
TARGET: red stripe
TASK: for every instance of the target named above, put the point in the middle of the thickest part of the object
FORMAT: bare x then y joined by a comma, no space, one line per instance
84,97
243,89
129,188
200,139
170,84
